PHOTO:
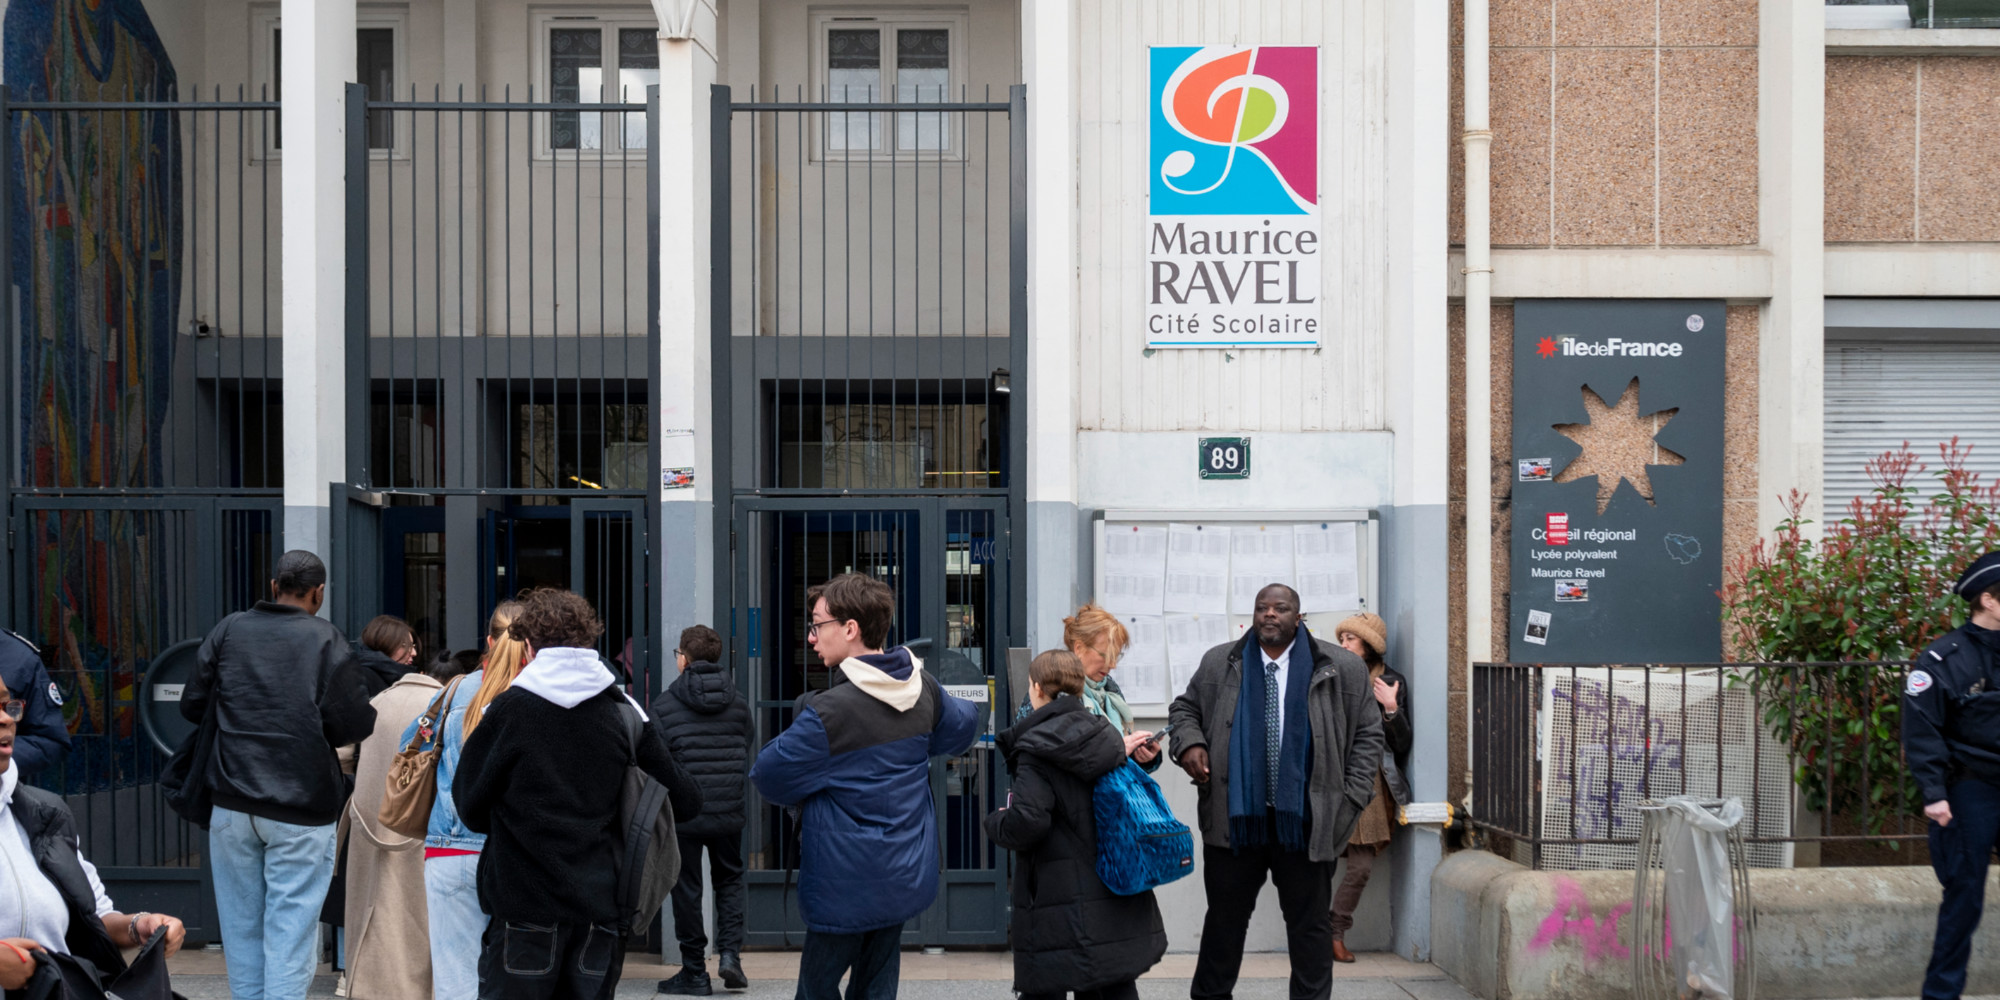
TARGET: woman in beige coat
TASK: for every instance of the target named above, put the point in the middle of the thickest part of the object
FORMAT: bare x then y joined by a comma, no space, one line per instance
388,930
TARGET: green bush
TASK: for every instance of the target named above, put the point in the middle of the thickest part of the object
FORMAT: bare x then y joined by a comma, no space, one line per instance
1875,586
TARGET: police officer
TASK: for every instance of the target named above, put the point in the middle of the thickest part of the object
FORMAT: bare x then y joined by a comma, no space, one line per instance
41,738
1951,739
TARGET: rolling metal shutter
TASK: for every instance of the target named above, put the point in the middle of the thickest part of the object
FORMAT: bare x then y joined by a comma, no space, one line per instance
1880,394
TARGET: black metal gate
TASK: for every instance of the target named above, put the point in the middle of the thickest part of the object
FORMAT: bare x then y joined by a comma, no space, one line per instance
142,465
503,264
869,340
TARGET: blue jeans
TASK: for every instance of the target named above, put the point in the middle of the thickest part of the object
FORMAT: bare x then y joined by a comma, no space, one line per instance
457,925
875,956
270,881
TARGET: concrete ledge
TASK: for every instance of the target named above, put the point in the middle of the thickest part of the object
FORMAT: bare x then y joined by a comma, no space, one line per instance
1739,274
1508,933
1896,270
1908,41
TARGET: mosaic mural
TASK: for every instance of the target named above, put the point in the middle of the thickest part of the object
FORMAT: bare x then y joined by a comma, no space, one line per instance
94,212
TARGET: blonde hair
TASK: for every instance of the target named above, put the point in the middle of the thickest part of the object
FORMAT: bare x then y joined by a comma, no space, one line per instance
1057,671
505,655
1097,629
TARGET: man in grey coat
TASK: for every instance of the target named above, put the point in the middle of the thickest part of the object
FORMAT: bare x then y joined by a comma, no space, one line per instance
1283,739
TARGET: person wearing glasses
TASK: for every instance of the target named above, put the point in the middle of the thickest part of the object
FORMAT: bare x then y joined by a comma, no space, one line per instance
59,905
855,765
42,739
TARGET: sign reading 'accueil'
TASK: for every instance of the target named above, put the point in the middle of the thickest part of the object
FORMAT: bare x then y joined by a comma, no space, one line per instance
1232,226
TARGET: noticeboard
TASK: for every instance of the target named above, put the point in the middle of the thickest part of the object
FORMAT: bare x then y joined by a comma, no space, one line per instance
1185,581
1615,553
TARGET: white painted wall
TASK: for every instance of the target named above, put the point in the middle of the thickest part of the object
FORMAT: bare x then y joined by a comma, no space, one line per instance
1339,387
1288,471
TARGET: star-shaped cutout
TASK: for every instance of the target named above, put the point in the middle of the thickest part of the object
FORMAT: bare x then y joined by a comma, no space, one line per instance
1617,445
1547,347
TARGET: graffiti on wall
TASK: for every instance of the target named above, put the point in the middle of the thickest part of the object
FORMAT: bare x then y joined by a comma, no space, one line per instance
94,212
1572,919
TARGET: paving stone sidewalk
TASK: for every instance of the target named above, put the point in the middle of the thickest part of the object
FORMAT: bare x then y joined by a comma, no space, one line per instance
201,976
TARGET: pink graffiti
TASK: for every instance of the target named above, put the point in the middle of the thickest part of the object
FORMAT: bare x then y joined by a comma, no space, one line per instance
1572,917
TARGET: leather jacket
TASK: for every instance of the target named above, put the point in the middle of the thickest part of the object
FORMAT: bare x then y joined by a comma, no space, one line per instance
287,692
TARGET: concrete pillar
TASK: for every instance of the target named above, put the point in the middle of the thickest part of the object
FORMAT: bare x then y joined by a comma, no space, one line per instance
1416,563
1047,27
1792,183
319,63
687,71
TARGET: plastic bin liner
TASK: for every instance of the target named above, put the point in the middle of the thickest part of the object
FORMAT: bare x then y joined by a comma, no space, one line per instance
1700,893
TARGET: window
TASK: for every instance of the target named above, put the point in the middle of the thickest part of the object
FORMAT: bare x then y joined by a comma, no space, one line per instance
593,59
378,62
868,59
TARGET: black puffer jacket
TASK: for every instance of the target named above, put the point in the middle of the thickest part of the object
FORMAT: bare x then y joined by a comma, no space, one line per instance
287,693
51,831
709,729
1070,932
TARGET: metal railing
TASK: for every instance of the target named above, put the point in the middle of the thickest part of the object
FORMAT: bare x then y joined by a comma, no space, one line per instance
1565,755
872,308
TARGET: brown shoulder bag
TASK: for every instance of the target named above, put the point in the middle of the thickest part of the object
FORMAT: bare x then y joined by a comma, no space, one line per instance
412,787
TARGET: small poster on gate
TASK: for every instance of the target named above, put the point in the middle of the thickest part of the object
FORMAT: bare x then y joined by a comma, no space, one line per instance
1536,470
1538,628
1569,589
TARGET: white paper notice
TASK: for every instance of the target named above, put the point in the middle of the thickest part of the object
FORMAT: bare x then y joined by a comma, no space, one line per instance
1329,574
1142,668
1197,569
1135,569
1259,555
1188,637
1538,628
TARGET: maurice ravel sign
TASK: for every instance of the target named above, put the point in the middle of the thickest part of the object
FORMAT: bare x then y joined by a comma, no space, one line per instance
1616,552
1232,223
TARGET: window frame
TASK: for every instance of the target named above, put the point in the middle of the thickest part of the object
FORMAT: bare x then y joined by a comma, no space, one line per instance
609,21
954,20
266,19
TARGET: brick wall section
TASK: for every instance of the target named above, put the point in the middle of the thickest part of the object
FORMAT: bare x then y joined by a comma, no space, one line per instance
1618,123
1909,149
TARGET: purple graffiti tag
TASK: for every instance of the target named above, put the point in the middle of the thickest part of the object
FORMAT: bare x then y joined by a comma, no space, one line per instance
1572,917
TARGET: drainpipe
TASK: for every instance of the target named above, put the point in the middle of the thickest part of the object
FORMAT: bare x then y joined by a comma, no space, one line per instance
1478,140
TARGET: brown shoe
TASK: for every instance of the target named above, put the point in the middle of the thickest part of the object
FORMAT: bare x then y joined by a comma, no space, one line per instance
1340,952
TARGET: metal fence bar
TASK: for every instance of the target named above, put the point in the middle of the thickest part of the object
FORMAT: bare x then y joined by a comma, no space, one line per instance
1729,728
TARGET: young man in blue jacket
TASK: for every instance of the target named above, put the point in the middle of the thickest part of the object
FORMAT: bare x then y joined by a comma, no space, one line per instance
856,763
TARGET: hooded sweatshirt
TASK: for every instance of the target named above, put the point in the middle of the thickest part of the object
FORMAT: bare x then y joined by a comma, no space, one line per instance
856,763
541,777
708,727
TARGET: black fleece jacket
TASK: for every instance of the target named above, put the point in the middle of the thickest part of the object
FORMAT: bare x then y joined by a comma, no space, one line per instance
543,782
708,727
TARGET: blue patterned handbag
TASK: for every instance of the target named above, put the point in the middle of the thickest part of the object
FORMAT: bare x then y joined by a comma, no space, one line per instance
1139,842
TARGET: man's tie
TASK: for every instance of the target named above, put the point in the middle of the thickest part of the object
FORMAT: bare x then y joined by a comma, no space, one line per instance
1274,732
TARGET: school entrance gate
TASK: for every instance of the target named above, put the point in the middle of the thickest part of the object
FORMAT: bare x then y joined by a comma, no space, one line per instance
868,345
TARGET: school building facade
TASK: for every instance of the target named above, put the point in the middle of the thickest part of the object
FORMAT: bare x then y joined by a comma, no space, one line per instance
688,305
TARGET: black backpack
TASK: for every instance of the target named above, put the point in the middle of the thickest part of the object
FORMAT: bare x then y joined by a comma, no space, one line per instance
649,855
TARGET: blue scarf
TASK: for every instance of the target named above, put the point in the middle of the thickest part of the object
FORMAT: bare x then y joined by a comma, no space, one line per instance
1248,820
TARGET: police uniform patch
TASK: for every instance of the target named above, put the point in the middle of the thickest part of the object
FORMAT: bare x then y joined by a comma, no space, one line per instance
1919,683
55,696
